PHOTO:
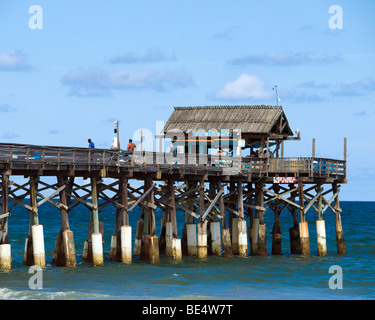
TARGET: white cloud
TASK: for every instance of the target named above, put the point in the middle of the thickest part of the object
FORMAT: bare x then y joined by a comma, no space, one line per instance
97,82
13,62
245,87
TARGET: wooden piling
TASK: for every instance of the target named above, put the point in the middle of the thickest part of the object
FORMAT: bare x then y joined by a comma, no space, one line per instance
295,243
64,253
96,236
340,241
321,229
5,248
276,230
225,234
303,225
262,239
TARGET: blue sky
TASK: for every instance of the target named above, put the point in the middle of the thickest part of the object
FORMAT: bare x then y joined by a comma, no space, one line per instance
99,61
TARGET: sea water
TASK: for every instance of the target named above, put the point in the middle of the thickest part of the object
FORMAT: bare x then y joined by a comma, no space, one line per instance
284,276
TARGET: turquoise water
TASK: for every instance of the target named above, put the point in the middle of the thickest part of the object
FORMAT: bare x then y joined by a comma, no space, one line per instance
254,277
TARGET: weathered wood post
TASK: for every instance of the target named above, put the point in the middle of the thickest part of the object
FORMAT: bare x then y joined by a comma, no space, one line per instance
276,230
96,236
202,226
34,247
225,234
191,227
262,239
255,225
250,213
295,243
233,220
320,227
340,241
303,225
242,229
175,241
64,253
150,242
5,249
125,232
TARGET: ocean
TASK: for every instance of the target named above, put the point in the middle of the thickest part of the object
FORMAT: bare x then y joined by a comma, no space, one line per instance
284,277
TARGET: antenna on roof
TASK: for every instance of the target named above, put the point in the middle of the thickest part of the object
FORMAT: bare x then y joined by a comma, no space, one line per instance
277,97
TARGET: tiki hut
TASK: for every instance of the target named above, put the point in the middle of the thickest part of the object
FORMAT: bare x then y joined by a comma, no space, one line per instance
199,129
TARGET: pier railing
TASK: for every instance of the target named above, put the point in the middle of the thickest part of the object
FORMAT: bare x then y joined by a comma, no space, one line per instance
17,154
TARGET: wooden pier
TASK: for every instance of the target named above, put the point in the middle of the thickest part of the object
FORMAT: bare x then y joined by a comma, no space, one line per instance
223,199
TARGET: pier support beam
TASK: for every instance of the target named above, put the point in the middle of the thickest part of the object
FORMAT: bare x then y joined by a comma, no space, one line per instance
215,238
276,230
303,225
5,249
96,237
64,253
150,242
202,226
321,229
225,234
34,246
295,243
262,239
241,225
340,241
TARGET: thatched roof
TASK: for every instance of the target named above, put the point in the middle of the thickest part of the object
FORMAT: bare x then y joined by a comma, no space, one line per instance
249,119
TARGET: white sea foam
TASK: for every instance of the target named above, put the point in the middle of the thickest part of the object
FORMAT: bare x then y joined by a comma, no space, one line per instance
9,294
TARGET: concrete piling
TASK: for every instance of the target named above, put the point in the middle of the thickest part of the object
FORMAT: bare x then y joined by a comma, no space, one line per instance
304,238
38,245
126,244
5,256
97,249
215,238
202,240
176,249
235,236
191,229
242,238
321,238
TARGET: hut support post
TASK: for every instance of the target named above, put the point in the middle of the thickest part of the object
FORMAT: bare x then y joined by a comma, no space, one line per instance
202,226
276,230
295,244
262,240
175,241
191,227
340,241
225,234
5,250
303,226
242,230
250,213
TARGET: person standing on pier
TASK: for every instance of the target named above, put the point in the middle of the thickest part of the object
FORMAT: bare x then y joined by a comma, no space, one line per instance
131,146
91,144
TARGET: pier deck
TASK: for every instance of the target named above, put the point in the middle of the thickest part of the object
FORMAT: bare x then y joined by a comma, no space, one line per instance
219,196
